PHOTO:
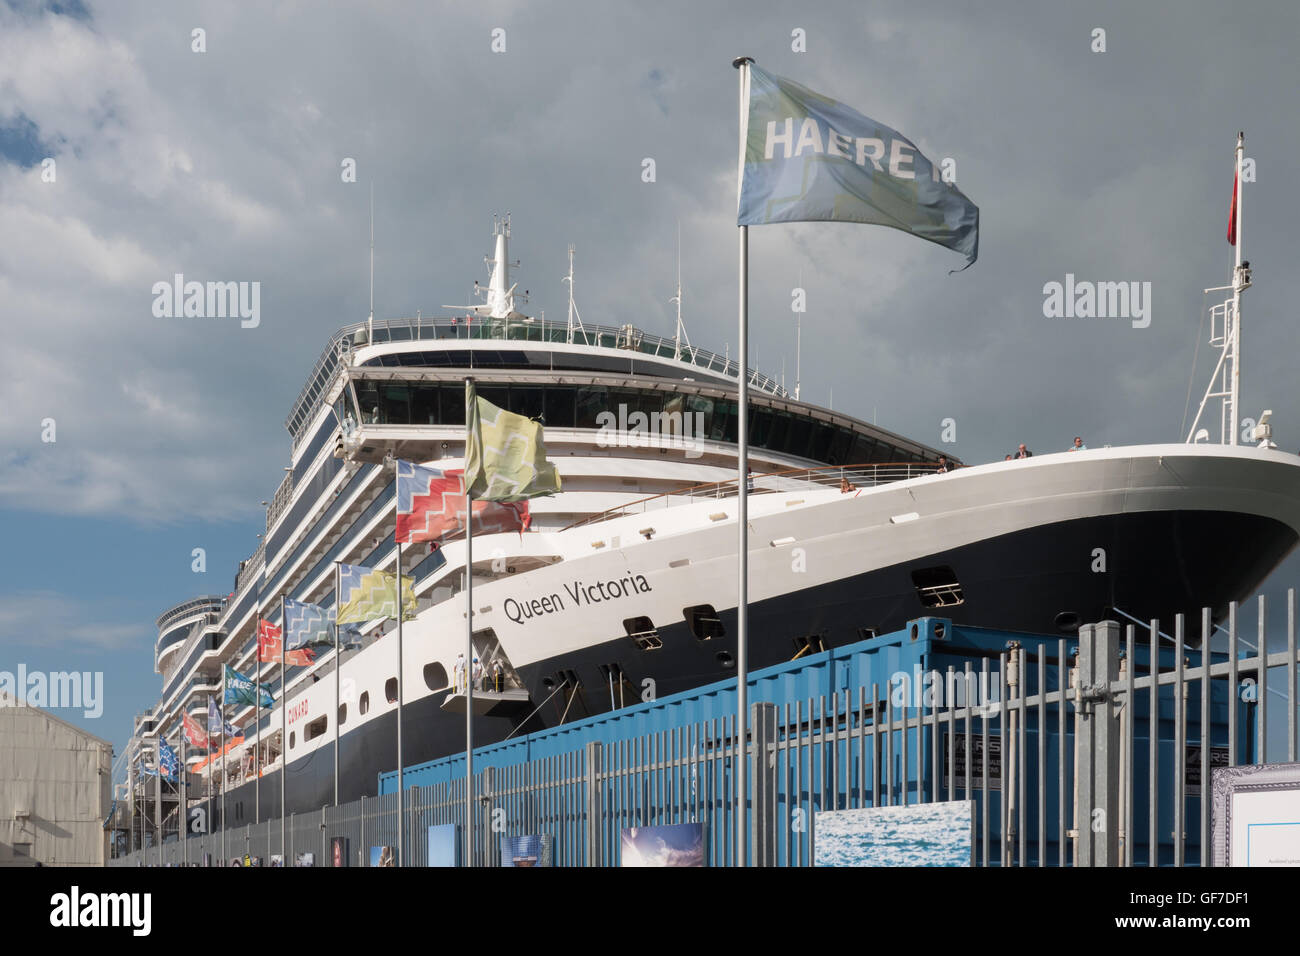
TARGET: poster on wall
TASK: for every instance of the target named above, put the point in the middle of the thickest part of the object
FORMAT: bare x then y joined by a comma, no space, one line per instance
277,859
305,859
674,845
382,856
444,845
533,850
339,851
929,834
1256,815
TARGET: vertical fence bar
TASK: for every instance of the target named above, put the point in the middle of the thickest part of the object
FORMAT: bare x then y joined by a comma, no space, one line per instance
1061,680
1153,747
1041,729
952,734
1180,737
1233,689
862,747
934,752
1023,757
1261,704
984,765
1207,631
1130,715
903,778
968,760
1004,805
889,749
1290,676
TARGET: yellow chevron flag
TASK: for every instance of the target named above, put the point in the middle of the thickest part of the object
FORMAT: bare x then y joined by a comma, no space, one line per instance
367,594
505,459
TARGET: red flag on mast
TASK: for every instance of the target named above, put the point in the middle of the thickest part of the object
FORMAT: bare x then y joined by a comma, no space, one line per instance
1232,215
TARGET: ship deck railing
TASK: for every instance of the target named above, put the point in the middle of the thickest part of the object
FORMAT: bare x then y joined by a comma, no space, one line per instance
844,477
440,328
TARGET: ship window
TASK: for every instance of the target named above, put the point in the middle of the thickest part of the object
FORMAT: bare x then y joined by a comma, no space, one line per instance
559,407
937,587
643,633
809,644
315,728
293,739
390,690
394,405
704,622
424,404
451,405
526,401
343,713
822,434
365,702
435,676
592,400
498,395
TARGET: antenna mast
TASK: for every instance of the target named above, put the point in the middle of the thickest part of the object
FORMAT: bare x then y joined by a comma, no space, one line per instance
575,320
680,334
1225,328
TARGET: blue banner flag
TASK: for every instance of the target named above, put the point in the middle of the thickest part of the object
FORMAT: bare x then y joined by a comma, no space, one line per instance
167,761
240,689
808,158
216,724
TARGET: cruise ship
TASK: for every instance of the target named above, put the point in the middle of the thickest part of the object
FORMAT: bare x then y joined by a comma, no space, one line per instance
625,582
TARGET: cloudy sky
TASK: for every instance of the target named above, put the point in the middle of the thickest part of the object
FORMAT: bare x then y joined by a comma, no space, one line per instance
226,165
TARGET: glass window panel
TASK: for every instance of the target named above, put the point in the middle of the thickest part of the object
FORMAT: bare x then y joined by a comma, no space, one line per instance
559,406
424,404
526,400
592,400
395,405
839,453
451,404
368,396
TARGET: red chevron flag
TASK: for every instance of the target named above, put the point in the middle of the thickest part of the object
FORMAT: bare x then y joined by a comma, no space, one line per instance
193,732
431,505
268,648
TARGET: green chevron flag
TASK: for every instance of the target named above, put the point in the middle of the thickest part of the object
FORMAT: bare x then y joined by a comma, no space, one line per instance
368,594
505,459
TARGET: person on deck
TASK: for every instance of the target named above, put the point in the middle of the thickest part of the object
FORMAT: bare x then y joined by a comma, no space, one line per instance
1078,445
1024,452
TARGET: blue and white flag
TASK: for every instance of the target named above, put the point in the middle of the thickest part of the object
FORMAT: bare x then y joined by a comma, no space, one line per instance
308,624
808,158
167,761
242,690
216,724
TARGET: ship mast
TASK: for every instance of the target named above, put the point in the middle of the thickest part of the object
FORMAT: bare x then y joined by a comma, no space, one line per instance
680,334
1225,329
575,320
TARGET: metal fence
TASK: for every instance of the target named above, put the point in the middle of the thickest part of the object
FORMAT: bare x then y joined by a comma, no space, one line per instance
1088,751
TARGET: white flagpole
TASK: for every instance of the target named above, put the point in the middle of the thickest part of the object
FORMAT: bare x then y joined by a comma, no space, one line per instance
400,766
1236,298
221,714
469,656
742,502
182,804
257,719
338,665
284,726
157,796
